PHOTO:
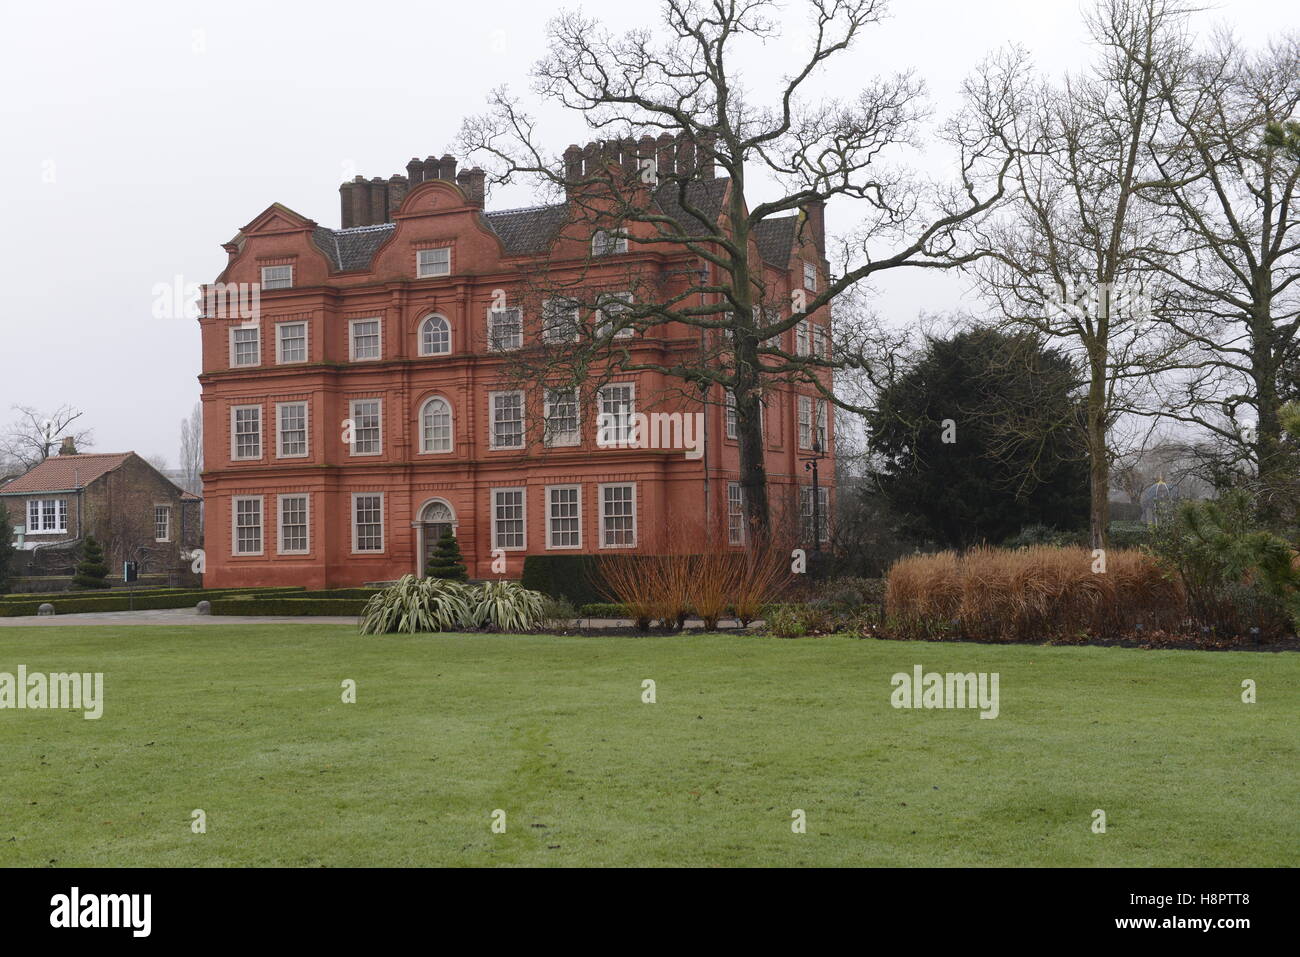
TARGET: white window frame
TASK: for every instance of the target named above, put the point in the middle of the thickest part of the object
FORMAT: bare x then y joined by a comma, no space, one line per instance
731,416
569,439
424,322
234,524
623,435
279,523
806,531
234,434
803,338
421,268
492,420
550,307
167,522
269,282
804,420
735,514
279,342
550,530
280,453
234,349
523,518
352,415
451,427
352,340
36,509
491,337
600,245
352,520
601,516
810,276
625,298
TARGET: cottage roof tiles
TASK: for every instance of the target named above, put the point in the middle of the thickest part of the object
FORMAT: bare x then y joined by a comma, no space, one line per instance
60,472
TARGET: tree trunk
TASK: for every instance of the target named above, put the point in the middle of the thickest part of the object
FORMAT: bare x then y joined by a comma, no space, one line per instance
1098,453
749,435
1270,463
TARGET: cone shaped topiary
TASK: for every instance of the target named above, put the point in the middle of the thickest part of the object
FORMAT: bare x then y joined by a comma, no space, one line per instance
92,572
447,561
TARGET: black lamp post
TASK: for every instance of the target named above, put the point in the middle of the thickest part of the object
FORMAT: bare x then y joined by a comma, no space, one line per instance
810,465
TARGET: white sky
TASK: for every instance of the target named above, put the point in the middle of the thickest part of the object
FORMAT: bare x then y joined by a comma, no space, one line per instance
139,137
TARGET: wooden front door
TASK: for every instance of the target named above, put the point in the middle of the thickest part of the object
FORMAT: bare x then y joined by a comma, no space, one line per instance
432,532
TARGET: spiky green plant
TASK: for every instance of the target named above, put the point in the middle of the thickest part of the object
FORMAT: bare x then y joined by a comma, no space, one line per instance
505,606
413,605
1237,574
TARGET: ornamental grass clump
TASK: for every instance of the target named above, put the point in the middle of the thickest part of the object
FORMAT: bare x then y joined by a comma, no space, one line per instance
412,605
505,606
1032,594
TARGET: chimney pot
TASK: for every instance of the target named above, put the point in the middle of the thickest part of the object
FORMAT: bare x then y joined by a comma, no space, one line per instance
473,186
345,205
812,224
397,189
667,157
685,156
705,155
360,202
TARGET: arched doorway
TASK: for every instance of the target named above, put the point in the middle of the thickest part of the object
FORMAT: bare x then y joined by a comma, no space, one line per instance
436,519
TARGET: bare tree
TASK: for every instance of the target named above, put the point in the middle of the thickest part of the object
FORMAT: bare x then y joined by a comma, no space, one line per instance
1071,261
683,83
1231,192
34,436
191,452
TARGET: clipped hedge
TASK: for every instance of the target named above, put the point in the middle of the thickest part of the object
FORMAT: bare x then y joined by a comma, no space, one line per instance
122,601
343,607
601,609
80,593
574,577
341,593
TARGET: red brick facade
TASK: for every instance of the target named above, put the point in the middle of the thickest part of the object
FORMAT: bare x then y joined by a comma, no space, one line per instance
344,280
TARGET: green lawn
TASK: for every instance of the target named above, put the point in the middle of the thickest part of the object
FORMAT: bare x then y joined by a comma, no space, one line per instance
246,722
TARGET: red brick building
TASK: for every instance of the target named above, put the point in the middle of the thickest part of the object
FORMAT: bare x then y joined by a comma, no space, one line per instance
371,404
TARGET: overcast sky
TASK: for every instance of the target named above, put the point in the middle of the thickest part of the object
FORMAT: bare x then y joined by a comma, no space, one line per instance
138,137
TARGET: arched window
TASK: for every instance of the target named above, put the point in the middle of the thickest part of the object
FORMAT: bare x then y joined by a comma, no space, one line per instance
436,512
435,426
435,336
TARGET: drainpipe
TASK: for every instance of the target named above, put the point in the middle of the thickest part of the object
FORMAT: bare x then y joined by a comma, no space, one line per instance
708,523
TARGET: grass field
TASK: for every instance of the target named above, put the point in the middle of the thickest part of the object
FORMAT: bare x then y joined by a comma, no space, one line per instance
246,722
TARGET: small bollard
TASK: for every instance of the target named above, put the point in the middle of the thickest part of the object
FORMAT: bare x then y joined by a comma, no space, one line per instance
45,609
204,608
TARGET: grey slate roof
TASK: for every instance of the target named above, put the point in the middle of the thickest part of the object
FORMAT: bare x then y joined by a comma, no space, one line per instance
705,195
352,248
775,239
527,232
524,232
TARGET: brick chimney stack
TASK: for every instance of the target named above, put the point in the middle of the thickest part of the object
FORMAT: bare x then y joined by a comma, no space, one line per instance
364,202
471,182
397,190
68,446
812,224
